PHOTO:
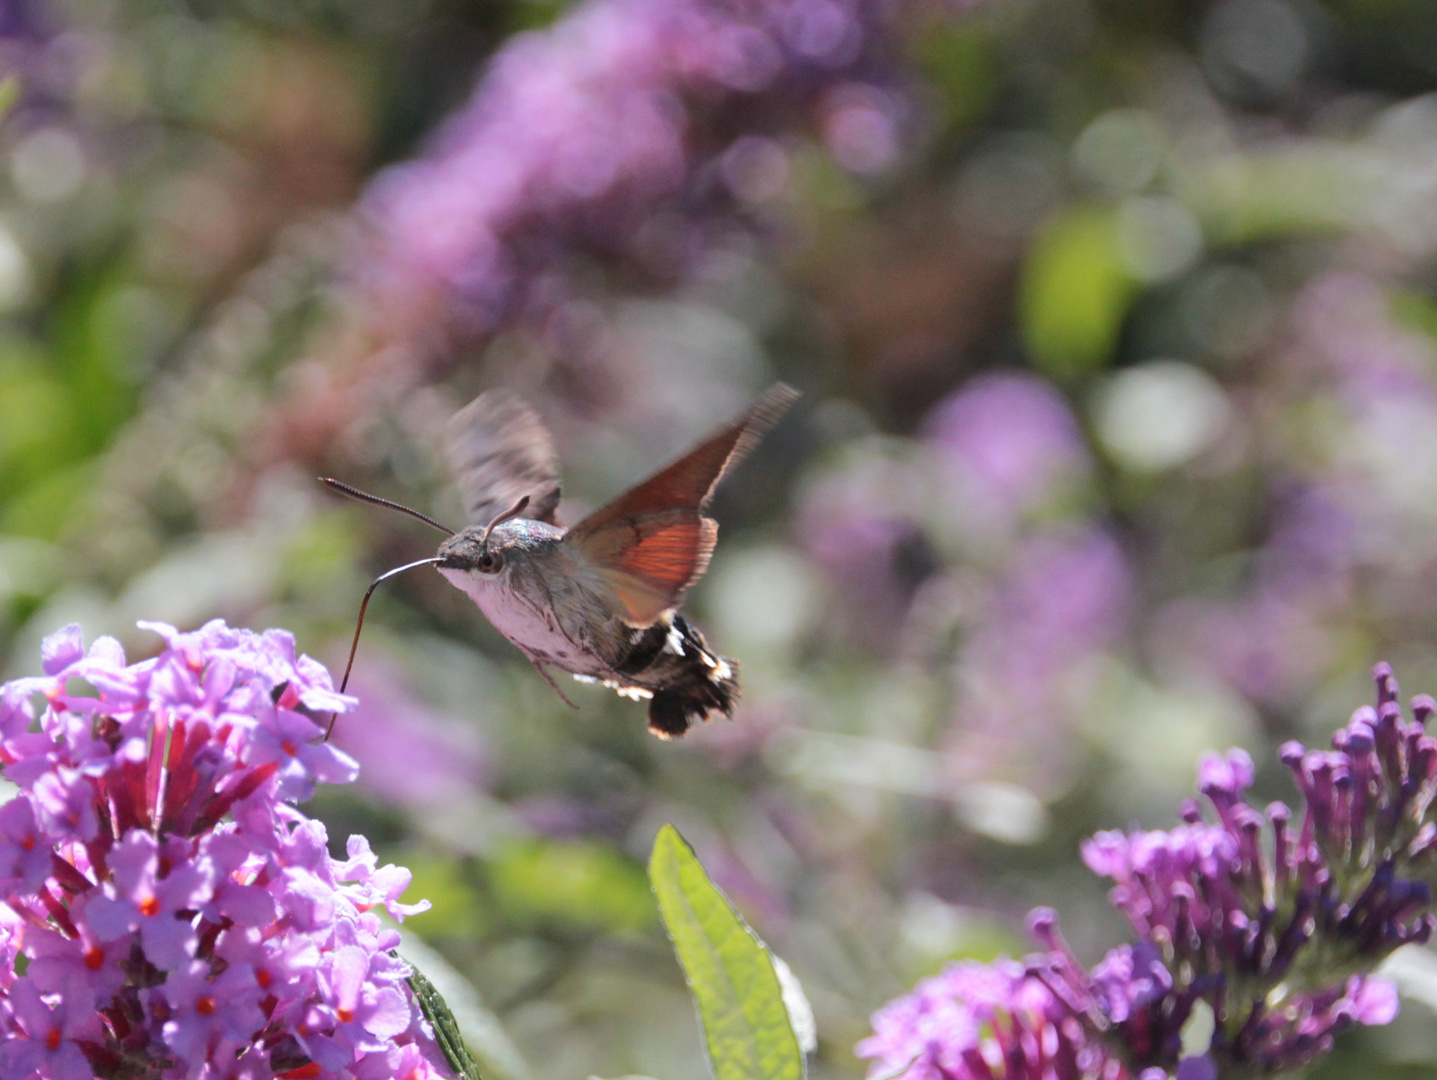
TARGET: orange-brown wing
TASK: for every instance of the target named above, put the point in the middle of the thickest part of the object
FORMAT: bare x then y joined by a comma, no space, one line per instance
649,562
653,542
500,451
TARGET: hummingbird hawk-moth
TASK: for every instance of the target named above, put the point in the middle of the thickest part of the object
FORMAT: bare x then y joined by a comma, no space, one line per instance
599,600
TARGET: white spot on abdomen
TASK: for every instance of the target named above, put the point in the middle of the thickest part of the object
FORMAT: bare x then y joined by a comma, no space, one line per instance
674,643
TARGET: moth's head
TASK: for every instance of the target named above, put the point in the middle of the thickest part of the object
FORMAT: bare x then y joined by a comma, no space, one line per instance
483,556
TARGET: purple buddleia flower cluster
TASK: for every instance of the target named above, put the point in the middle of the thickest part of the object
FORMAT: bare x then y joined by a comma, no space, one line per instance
1273,920
631,133
983,1020
165,909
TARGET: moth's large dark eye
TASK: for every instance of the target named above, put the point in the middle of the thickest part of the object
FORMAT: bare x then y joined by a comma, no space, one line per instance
491,562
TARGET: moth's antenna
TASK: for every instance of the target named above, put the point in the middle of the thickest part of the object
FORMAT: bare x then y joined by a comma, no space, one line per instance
513,512
358,626
364,496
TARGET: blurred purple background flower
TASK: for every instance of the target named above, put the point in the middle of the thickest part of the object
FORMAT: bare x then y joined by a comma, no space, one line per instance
1029,666
861,523
1009,442
408,753
633,138
25,28
1349,423
625,131
1275,639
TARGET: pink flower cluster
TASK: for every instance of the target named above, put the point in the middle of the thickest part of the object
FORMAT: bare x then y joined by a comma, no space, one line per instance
173,913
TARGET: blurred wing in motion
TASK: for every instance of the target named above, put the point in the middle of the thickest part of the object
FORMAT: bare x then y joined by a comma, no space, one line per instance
653,542
500,451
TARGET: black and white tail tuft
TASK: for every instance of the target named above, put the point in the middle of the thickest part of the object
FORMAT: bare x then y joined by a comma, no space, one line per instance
712,686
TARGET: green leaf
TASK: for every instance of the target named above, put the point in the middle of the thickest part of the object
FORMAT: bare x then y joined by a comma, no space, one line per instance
446,1031
473,1042
730,972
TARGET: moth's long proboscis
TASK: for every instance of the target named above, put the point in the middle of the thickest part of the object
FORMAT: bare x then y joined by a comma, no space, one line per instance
359,625
364,496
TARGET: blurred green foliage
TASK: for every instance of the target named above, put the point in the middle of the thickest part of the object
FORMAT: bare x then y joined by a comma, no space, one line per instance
1075,294
571,885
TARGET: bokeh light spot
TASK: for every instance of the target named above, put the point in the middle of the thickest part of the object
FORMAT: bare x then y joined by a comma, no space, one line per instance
1160,415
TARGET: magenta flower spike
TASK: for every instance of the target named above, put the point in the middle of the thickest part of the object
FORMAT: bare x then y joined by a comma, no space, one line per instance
177,915
1273,919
